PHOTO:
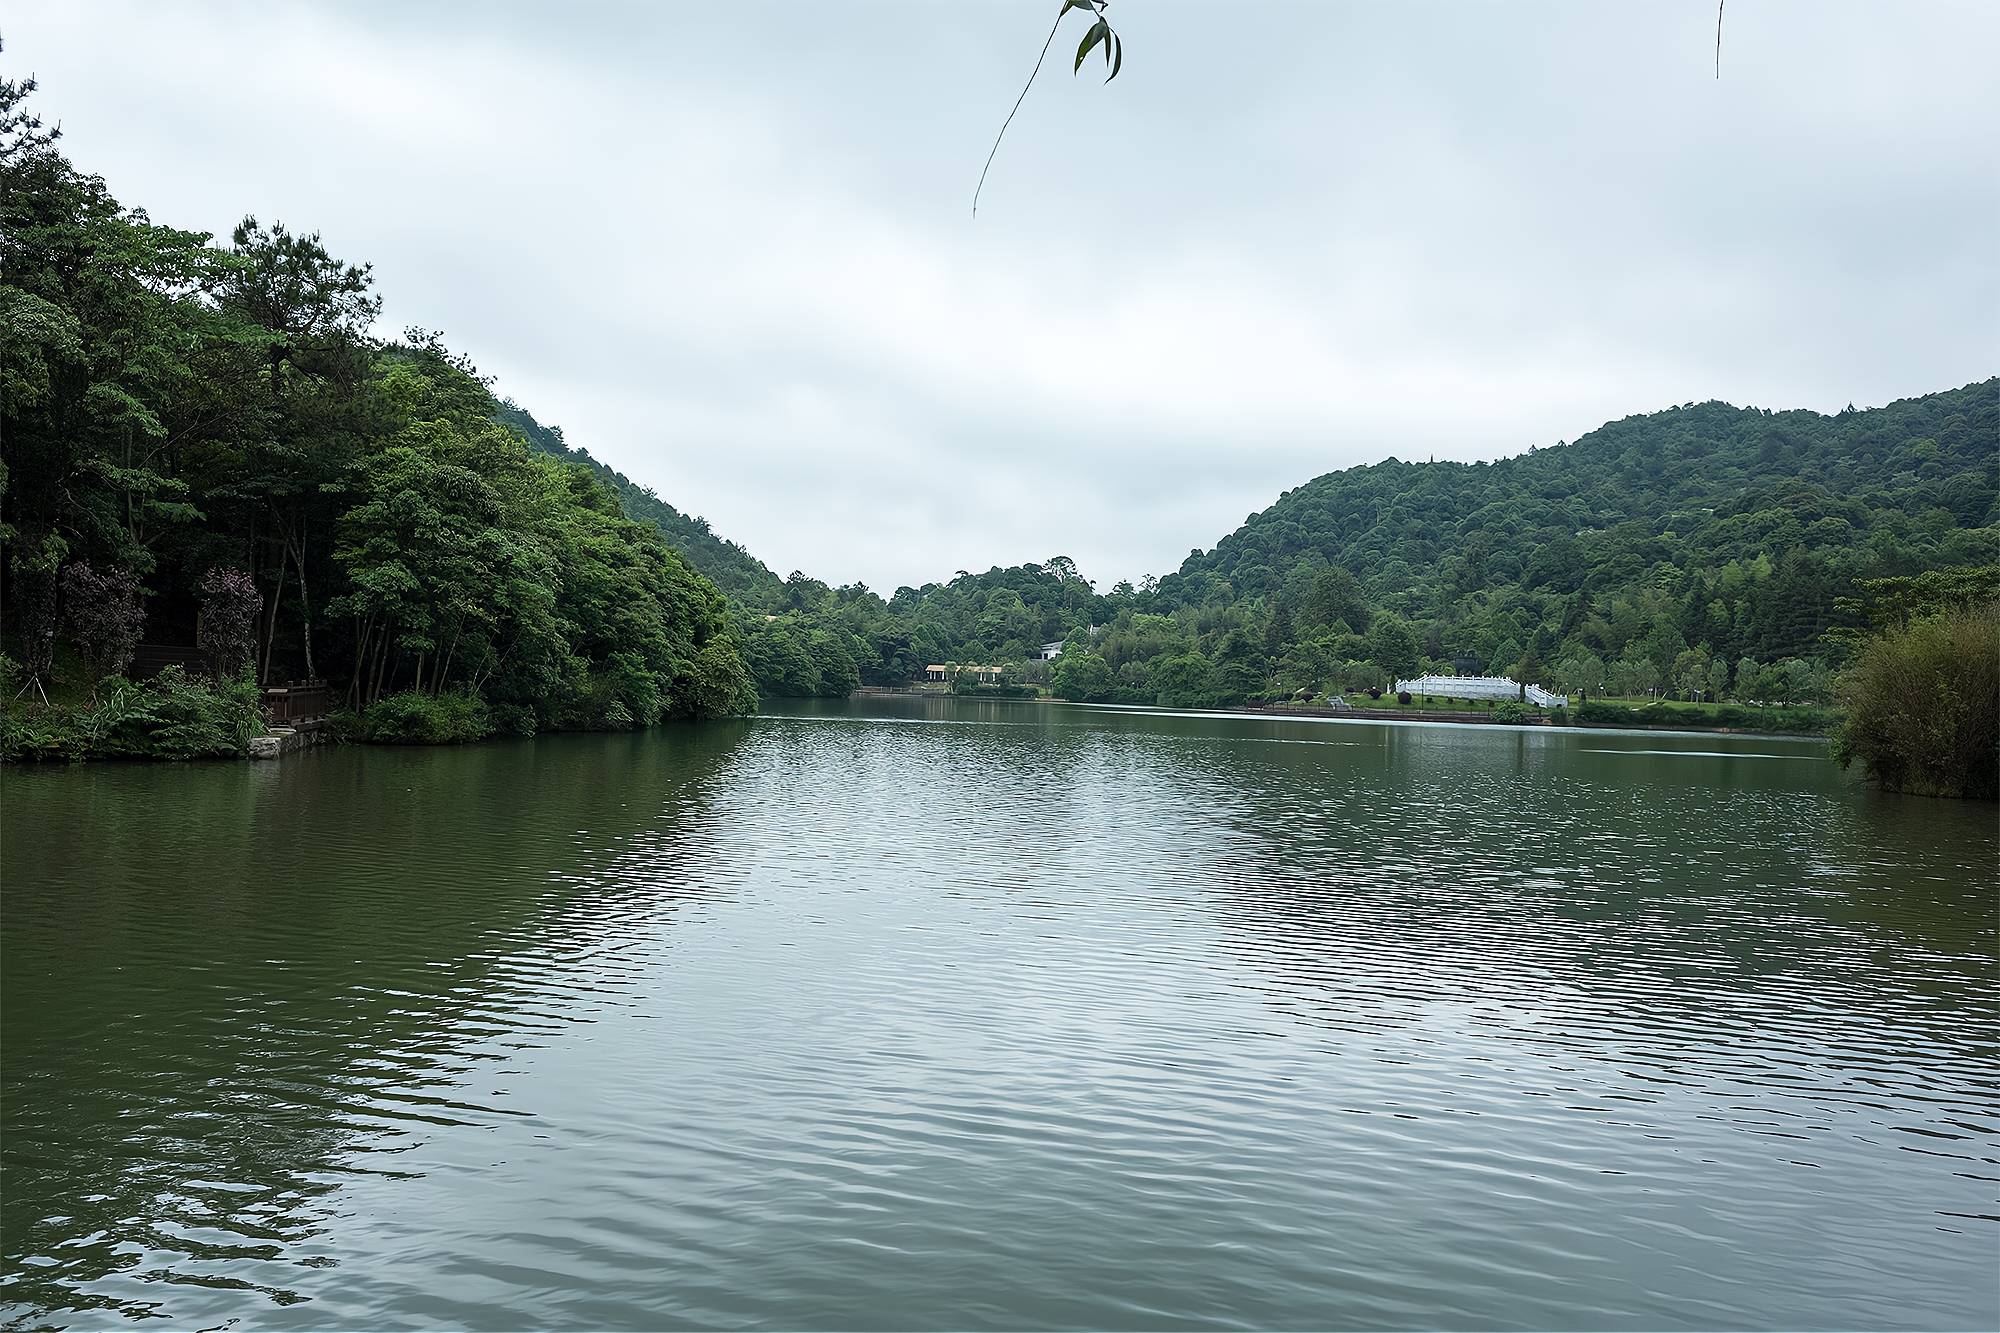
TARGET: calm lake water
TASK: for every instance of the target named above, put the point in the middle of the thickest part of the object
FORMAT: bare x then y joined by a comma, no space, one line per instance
903,1014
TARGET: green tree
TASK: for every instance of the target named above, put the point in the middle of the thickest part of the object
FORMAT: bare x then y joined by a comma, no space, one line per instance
1392,645
1690,676
1336,598
1185,680
1240,669
1082,677
1718,679
1923,706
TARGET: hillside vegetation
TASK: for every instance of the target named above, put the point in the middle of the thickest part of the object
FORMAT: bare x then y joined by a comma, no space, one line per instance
1749,522
204,445
1705,552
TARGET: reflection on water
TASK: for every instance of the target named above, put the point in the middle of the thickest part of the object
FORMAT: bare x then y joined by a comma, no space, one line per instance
934,1013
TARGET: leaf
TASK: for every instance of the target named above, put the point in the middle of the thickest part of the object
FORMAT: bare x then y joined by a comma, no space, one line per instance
1076,4
1098,31
1118,61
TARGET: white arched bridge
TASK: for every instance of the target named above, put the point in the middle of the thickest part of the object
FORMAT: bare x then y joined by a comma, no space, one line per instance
1482,687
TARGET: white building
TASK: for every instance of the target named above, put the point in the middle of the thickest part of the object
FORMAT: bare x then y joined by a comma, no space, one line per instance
944,673
1051,651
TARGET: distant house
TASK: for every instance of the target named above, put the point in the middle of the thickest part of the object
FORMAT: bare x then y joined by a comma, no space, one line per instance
945,673
1051,651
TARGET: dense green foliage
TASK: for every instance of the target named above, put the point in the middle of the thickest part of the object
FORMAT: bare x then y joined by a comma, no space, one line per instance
1084,677
1660,713
173,408
1688,552
414,718
1923,695
171,716
1003,616
794,657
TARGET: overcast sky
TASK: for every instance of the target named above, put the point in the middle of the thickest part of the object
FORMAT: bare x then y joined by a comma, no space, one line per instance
727,247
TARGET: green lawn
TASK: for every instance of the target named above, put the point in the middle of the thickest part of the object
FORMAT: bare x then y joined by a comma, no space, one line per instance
1707,706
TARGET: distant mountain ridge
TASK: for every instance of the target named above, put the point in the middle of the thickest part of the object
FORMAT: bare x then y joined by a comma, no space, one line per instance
1666,500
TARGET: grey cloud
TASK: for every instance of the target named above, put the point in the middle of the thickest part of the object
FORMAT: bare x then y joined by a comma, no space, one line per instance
727,247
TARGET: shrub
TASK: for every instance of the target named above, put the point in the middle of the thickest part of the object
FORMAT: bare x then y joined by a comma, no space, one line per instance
1924,707
994,691
1812,721
29,733
172,716
227,634
411,718
184,718
513,719
1403,698
104,615
1510,711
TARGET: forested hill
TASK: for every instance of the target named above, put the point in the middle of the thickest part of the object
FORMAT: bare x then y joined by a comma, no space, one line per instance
727,565
1758,518
205,447
1705,552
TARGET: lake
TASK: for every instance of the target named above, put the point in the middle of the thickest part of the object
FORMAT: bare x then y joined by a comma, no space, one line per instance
909,1013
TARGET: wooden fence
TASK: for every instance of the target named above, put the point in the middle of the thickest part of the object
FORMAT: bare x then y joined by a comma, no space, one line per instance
295,701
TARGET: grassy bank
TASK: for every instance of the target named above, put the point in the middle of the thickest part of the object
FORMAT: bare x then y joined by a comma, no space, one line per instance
1796,721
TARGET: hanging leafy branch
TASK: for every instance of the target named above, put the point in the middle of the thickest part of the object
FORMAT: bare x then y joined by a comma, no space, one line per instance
1099,34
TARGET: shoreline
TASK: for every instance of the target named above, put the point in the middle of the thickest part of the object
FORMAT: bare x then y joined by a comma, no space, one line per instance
1537,720
280,741
1461,717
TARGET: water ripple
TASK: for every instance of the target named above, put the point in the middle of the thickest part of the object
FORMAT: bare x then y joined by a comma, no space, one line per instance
981,1015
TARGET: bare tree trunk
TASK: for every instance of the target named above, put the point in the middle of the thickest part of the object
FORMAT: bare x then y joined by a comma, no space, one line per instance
297,548
271,629
391,657
374,685
444,668
361,640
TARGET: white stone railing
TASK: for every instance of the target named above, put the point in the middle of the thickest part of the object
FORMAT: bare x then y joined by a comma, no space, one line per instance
1482,687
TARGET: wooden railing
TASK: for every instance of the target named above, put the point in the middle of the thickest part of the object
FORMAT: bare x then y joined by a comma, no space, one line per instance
150,659
295,701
